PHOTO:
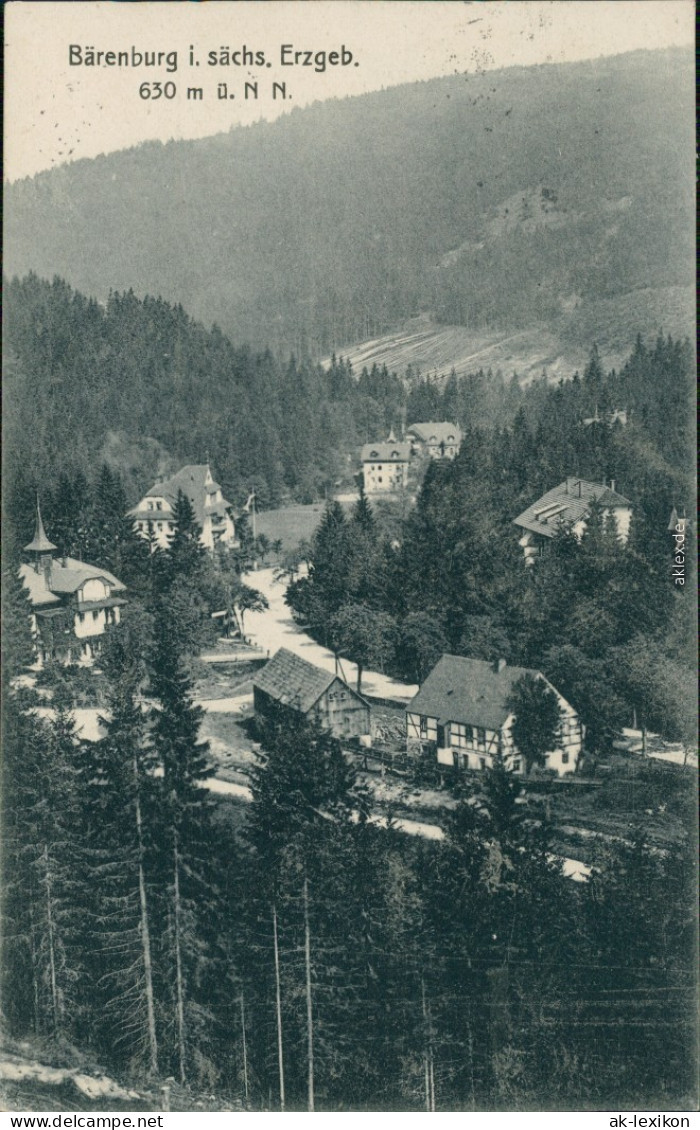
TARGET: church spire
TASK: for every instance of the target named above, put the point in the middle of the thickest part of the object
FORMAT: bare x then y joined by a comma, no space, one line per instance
39,543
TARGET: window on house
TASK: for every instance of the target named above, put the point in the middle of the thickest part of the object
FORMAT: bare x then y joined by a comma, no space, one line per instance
565,759
379,466
482,763
379,478
516,765
159,525
423,727
480,736
95,614
159,505
81,617
461,735
150,504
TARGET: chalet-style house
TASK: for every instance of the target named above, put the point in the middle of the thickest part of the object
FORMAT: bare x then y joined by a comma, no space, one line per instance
439,440
462,711
72,602
287,680
385,466
154,513
570,503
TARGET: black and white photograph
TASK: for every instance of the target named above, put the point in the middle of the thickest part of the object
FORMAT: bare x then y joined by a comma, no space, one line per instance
349,588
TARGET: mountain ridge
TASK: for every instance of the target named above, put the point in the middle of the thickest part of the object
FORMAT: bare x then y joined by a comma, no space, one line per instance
499,201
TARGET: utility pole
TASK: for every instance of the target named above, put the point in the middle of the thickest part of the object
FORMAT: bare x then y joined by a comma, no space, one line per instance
309,1011
278,999
470,1046
426,1067
245,1049
428,1062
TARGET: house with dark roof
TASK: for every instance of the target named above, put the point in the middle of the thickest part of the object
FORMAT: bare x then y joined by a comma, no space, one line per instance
461,711
570,504
437,439
290,681
385,466
154,515
72,602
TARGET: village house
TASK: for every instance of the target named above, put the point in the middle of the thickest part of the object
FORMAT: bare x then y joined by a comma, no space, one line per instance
72,602
439,440
154,515
570,503
287,680
461,711
385,466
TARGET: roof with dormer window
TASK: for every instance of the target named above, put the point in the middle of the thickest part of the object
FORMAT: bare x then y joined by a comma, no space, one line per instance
436,432
569,502
398,452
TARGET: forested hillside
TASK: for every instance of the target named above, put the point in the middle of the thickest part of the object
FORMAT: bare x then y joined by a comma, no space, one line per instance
140,386
553,195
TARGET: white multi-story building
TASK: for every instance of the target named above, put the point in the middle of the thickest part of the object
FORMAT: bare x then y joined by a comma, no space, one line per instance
154,515
385,466
438,439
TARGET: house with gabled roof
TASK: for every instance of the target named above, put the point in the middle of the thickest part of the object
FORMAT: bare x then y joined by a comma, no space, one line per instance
154,515
288,680
461,712
385,466
437,439
73,603
570,504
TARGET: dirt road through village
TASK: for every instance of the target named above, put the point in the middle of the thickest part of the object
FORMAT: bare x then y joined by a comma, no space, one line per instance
275,628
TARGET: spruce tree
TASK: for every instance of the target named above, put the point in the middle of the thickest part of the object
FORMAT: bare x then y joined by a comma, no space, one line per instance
119,839
184,848
18,645
45,897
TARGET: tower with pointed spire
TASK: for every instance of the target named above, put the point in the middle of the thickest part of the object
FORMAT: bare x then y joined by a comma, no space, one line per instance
40,547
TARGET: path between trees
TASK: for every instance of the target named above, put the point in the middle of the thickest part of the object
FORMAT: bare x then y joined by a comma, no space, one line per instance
275,628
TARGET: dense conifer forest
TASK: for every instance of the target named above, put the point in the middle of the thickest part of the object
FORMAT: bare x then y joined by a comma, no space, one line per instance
142,387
